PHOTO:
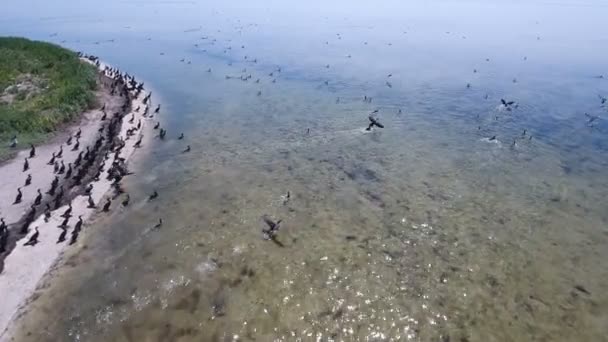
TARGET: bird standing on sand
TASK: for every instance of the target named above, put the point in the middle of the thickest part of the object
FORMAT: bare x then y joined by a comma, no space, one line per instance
106,206
28,180
61,238
32,151
33,239
38,198
78,225
187,149
19,196
26,165
153,195
91,203
68,211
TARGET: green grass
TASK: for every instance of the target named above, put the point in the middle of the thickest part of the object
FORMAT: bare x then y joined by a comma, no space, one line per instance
66,88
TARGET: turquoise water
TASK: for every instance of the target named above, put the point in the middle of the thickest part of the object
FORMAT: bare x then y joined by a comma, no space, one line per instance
425,230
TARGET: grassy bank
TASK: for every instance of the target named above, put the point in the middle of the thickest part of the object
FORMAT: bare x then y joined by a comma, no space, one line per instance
42,87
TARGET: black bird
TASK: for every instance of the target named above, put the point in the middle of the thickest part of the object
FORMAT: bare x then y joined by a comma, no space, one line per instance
61,238
78,225
159,224
88,189
52,161
157,125
492,138
28,180
106,206
91,203
33,239
138,143
60,154
373,122
506,104
125,202
19,195
181,136
153,195
68,173
61,169
47,213
187,149
78,133
273,228
32,151
64,224
68,212
38,199
3,236
74,236
76,146
26,165
157,109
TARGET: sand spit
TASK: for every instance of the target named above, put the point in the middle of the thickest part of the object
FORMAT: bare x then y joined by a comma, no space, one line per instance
25,266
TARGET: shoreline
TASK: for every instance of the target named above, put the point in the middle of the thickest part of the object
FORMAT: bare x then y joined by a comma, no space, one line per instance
22,268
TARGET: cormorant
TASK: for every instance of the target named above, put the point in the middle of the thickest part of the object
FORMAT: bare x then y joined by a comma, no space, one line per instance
64,224
153,195
273,227
373,122
60,154
19,195
28,180
26,165
187,149
38,199
68,211
33,239
157,125
181,136
32,151
106,206
61,238
47,213
78,225
91,203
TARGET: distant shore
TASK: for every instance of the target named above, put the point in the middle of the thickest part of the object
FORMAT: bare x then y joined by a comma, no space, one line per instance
22,267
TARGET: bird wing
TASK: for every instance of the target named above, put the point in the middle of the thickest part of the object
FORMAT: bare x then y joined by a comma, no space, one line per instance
269,222
503,101
510,103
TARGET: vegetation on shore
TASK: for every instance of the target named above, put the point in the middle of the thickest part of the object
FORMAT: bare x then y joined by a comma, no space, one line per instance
42,87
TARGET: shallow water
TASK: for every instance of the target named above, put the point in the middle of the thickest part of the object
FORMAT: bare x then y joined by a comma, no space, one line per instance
426,230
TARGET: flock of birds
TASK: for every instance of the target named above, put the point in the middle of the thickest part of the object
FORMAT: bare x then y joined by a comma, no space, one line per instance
126,85
89,164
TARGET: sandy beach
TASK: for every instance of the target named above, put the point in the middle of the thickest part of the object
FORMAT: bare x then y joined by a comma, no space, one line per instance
22,267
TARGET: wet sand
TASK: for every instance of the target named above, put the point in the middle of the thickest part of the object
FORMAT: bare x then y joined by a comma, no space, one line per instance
23,267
